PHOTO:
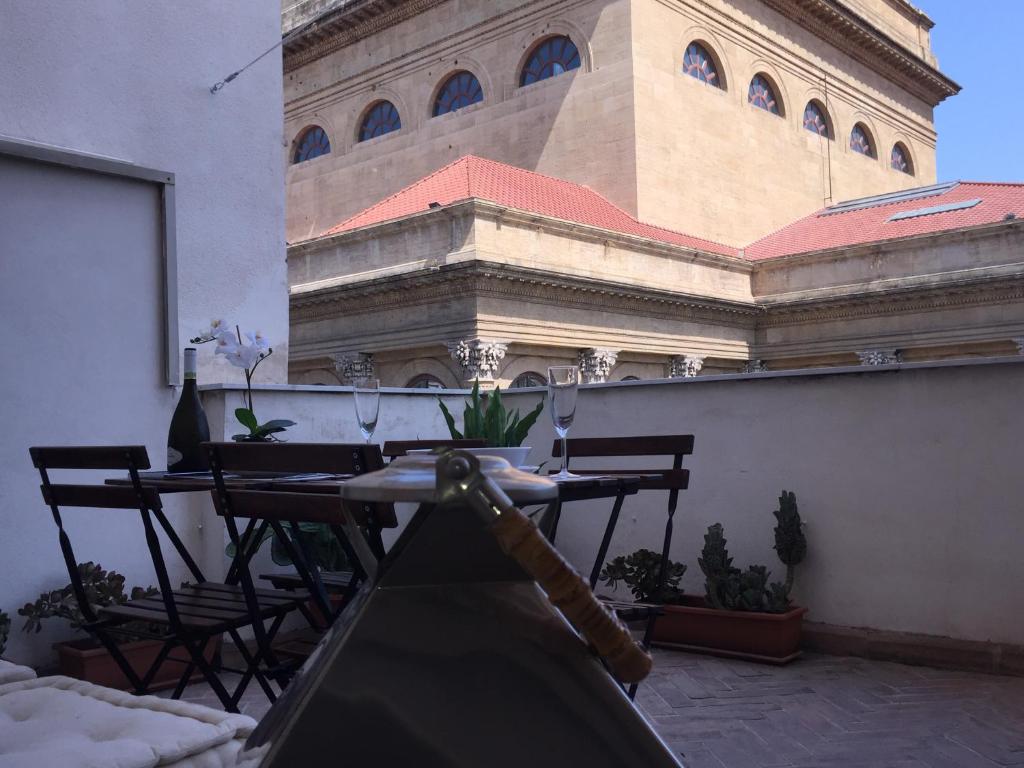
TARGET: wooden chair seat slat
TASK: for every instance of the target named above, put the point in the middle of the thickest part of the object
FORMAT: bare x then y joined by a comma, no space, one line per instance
128,612
338,579
232,592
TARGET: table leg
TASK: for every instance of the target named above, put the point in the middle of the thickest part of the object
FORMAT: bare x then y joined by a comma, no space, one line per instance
606,541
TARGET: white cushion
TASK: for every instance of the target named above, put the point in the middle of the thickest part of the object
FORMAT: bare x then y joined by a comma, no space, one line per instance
61,721
13,673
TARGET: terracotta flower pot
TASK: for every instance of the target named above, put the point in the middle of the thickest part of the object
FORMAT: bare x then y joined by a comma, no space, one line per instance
83,660
692,626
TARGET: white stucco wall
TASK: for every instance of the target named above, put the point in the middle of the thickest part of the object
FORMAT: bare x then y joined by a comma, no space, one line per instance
908,481
129,81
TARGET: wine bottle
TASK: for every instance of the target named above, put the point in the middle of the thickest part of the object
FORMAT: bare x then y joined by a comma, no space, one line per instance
189,427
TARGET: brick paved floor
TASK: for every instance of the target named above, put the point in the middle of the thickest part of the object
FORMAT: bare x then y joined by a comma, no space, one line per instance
818,712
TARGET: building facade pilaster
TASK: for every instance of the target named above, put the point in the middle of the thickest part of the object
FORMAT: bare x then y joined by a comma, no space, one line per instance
479,359
352,367
685,366
879,357
596,364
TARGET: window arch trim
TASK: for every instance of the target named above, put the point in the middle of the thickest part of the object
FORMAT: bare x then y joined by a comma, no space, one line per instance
862,140
442,90
569,64
310,143
378,120
713,61
908,160
764,93
825,127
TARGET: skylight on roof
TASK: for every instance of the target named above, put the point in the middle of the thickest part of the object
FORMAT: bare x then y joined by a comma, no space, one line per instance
889,197
933,209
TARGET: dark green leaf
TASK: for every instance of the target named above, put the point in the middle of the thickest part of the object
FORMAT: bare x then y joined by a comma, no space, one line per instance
246,418
450,421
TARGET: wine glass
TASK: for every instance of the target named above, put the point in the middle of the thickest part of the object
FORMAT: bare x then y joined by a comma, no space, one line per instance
366,394
563,386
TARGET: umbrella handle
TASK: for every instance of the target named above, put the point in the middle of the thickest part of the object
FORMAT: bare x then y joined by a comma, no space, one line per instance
519,537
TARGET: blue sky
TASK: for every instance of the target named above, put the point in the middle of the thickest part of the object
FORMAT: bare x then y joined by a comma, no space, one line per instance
978,45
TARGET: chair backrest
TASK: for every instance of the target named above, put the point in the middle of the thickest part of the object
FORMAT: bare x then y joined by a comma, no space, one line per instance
674,446
395,448
134,496
333,458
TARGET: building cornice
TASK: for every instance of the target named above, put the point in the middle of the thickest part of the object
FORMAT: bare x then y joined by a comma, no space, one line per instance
472,279
494,212
344,24
861,40
977,291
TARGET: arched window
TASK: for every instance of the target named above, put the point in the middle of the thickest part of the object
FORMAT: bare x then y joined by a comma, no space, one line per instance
425,381
528,379
815,120
860,141
460,90
630,378
551,57
762,95
379,119
697,62
311,143
899,159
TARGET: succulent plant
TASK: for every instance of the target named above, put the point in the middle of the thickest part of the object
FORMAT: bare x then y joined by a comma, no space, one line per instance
729,588
640,571
102,588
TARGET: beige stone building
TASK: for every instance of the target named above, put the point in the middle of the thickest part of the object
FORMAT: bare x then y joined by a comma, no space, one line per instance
487,187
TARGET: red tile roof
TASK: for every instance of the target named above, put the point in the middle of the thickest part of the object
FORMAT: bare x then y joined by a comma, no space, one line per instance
869,220
472,177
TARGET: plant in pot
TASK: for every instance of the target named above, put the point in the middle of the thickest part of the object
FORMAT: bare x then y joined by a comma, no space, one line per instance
640,572
486,418
742,614
86,658
245,352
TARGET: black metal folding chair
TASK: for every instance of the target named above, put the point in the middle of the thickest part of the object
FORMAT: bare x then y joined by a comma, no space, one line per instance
190,617
283,510
672,480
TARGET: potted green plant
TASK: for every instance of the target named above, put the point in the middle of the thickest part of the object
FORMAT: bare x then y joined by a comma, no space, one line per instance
486,418
85,658
741,615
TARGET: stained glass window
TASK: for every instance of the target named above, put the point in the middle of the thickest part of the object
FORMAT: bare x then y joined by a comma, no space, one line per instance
900,160
380,119
814,120
460,90
552,57
762,95
312,143
860,142
528,379
697,62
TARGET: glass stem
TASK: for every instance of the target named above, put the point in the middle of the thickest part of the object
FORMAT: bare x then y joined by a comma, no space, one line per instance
565,457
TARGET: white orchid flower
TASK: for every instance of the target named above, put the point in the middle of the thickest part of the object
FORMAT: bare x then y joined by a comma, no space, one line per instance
227,343
258,340
217,327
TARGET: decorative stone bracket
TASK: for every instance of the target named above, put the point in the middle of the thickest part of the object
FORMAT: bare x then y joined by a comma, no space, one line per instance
479,359
596,364
352,367
755,366
685,366
879,357
1019,341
